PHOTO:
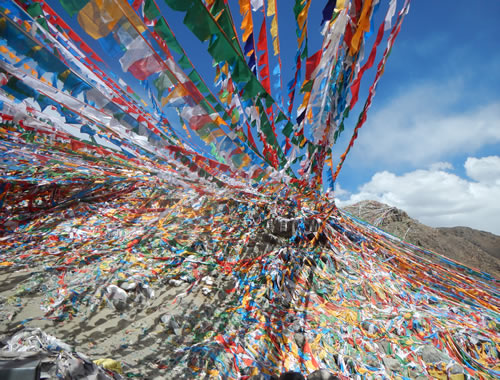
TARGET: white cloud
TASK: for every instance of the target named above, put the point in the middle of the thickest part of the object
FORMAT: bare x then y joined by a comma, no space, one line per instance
439,198
486,169
440,166
340,192
427,123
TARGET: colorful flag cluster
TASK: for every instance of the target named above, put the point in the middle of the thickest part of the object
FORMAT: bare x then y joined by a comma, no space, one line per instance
127,166
116,68
225,281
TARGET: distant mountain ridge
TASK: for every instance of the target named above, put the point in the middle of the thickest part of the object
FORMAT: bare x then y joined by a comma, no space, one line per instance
474,248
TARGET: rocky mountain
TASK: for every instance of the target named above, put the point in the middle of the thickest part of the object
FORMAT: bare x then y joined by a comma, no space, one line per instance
474,248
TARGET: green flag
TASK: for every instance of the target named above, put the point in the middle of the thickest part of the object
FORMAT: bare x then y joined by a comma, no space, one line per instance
166,34
150,10
199,21
162,83
180,5
73,6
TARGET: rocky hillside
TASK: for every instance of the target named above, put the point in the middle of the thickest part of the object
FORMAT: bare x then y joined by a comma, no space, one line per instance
474,248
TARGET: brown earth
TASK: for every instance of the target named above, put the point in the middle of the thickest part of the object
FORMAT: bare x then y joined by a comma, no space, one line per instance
474,248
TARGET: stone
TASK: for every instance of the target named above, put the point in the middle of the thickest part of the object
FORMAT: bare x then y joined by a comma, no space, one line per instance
128,286
146,290
175,282
392,364
370,327
292,376
456,369
372,361
431,354
208,280
260,376
384,345
299,339
117,296
170,322
322,374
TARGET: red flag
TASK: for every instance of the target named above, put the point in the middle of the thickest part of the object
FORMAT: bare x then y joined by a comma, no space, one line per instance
366,66
262,44
143,68
263,59
197,122
264,72
137,4
311,63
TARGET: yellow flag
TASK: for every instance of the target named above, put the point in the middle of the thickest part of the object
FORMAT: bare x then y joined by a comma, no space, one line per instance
363,26
340,5
244,6
186,129
178,92
276,46
132,16
235,117
271,7
305,101
245,161
217,74
274,34
309,114
213,135
110,364
99,17
218,133
274,27
247,26
301,18
208,138
302,36
219,121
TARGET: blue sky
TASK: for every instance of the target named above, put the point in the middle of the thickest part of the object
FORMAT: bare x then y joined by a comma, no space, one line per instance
431,144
